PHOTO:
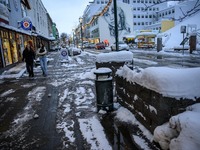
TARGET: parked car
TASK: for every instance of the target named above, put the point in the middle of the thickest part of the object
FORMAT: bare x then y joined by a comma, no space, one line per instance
74,51
92,45
100,46
121,46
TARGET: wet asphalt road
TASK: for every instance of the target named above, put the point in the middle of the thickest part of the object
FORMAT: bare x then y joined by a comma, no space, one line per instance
39,133
22,129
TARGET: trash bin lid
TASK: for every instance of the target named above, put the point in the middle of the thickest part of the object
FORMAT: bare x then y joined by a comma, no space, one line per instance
102,71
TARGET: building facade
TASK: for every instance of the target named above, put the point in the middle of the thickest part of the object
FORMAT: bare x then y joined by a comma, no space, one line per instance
21,21
148,15
99,21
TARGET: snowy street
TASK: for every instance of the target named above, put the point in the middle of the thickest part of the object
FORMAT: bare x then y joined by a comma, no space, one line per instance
59,111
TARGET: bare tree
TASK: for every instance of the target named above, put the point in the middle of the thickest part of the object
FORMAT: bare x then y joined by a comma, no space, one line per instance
63,38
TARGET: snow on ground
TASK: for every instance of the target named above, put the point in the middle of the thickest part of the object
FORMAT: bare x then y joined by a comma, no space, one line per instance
93,132
34,97
182,132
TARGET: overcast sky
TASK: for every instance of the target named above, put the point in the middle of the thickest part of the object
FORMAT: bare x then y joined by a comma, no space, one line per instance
65,13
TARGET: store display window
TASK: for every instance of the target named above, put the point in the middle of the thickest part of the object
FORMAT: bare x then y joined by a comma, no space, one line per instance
13,45
6,48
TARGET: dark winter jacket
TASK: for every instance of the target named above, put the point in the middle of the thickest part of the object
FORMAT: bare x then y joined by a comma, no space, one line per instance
28,56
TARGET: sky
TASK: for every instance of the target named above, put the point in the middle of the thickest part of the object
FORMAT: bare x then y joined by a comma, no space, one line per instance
65,13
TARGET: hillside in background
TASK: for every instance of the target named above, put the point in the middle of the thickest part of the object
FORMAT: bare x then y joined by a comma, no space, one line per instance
173,37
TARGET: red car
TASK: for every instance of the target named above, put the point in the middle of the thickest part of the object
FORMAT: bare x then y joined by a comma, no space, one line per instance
100,46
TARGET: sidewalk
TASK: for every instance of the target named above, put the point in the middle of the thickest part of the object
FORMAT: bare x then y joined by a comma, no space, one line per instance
14,72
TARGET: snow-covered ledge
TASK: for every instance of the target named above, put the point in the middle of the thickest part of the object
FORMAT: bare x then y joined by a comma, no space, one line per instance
121,56
170,82
114,60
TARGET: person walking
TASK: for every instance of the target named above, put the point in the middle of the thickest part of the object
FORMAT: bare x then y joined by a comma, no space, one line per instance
29,57
41,52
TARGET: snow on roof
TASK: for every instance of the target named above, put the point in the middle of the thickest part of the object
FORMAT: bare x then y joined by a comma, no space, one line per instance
120,56
171,82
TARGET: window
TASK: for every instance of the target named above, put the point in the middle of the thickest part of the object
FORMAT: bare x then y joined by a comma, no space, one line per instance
6,3
23,11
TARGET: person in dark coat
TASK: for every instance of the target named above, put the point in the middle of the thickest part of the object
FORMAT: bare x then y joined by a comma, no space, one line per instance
28,57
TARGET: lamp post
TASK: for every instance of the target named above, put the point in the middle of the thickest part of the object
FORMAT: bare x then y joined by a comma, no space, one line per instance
81,21
116,26
73,37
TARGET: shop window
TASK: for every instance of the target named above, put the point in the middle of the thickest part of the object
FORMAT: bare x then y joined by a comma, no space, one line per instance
13,46
20,46
6,48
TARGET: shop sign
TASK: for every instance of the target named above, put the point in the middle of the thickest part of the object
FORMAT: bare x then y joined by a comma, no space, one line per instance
26,23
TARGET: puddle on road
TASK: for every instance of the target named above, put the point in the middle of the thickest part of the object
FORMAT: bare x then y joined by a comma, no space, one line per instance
118,135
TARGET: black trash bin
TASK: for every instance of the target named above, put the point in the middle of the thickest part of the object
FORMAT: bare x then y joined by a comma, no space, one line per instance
104,89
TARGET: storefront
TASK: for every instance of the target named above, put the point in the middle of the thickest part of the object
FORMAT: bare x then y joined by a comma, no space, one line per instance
12,44
6,49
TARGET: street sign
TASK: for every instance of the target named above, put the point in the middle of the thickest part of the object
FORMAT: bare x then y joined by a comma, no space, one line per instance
64,54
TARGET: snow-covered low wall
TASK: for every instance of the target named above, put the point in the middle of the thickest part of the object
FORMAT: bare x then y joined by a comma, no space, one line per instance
114,60
155,94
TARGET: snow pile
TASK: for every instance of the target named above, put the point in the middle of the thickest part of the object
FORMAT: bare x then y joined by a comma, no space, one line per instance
182,132
172,37
121,56
170,82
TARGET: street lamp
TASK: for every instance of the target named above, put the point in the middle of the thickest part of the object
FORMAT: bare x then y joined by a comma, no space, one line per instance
73,37
81,21
116,26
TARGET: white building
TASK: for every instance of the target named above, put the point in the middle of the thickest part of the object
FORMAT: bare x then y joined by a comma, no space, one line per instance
144,15
99,21
38,15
